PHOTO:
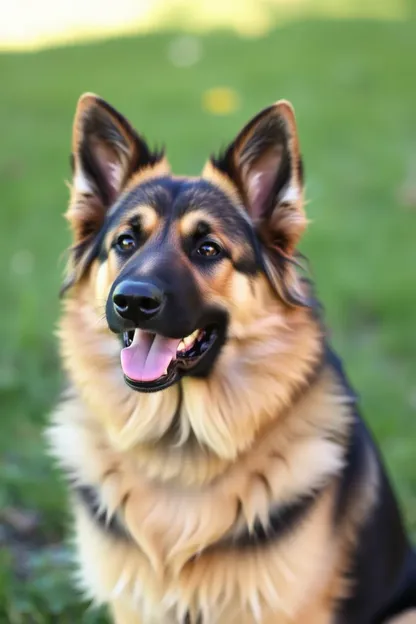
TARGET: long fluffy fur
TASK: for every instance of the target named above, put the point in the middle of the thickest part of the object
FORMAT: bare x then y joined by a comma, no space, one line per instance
177,485
180,493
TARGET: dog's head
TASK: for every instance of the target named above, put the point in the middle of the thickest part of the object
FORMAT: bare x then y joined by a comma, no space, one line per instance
182,263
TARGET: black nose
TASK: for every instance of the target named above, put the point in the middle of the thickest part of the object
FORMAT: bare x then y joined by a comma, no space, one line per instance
137,301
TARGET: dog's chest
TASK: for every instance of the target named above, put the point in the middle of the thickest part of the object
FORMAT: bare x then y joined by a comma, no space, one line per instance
273,583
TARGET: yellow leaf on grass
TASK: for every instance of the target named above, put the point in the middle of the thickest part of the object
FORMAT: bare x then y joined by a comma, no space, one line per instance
220,101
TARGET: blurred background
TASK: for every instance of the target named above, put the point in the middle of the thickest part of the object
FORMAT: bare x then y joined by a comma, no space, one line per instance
189,73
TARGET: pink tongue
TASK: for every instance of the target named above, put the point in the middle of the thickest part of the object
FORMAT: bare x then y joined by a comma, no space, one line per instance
148,357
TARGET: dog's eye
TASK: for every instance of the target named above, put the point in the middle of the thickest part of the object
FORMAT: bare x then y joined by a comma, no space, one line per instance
125,243
209,249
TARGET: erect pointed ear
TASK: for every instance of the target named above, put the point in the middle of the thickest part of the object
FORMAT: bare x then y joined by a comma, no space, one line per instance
264,165
106,150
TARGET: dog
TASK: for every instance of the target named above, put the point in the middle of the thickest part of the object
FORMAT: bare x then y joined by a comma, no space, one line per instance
217,465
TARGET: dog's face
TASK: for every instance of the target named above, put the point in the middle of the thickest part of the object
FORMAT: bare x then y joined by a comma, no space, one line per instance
183,263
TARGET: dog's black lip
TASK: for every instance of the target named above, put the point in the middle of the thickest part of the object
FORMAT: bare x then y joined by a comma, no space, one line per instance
154,386
178,368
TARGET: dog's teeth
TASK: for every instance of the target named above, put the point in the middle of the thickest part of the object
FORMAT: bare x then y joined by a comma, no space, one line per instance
189,340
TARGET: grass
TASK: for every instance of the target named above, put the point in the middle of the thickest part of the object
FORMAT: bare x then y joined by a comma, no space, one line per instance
351,85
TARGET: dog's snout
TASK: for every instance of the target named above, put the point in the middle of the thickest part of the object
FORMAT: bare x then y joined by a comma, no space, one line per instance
137,301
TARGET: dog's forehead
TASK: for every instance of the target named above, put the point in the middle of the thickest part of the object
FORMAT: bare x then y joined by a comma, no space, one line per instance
174,198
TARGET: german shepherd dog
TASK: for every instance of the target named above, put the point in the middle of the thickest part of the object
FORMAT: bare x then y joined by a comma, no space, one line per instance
221,473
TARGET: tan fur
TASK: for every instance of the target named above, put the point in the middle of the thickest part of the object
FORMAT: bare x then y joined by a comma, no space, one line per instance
159,170
230,587
215,176
189,221
179,496
268,426
406,618
147,216
123,614
177,499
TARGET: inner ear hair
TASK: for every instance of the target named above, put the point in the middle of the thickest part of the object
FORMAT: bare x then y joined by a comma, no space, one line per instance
267,145
106,150
264,164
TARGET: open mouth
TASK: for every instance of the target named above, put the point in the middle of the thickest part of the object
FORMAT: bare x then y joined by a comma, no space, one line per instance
153,362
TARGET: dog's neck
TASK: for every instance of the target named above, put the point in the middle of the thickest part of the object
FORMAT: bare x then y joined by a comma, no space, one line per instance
262,431
194,430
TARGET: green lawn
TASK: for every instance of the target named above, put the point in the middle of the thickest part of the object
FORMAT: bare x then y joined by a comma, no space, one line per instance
353,86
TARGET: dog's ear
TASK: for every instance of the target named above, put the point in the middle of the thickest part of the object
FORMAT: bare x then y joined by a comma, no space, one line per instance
106,150
264,163
265,166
